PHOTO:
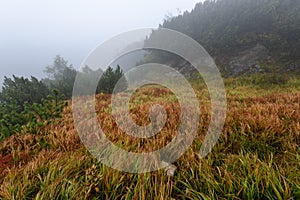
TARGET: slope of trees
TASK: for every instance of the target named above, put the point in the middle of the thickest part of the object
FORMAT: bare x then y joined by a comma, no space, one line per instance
223,26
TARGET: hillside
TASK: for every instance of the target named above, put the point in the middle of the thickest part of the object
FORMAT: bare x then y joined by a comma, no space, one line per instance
44,154
245,36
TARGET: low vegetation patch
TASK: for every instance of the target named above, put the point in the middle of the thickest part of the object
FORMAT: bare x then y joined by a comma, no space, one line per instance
256,157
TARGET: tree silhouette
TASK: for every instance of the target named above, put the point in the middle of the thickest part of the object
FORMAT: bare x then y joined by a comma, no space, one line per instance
110,79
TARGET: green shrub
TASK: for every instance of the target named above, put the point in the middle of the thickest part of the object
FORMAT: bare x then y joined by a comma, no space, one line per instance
33,117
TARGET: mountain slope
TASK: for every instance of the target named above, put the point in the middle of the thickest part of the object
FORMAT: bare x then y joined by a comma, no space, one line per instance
229,28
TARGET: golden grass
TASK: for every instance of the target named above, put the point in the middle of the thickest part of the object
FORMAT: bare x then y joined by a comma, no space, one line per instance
257,156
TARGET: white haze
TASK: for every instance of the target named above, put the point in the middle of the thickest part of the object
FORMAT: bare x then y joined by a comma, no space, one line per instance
33,32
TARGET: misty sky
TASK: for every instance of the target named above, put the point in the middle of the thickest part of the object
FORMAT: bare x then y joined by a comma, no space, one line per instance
32,32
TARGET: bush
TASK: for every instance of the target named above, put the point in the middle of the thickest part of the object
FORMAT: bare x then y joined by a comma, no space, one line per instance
19,90
32,117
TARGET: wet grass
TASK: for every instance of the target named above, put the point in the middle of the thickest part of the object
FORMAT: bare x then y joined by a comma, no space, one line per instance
256,157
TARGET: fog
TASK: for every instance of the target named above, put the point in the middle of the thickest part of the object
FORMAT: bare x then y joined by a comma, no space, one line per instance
33,32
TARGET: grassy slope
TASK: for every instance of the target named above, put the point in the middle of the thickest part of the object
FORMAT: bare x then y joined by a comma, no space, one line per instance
258,155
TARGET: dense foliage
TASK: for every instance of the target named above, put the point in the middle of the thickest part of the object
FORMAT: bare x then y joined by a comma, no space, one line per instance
29,103
18,90
29,116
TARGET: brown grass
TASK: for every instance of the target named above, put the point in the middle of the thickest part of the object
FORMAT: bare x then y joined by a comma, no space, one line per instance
257,156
